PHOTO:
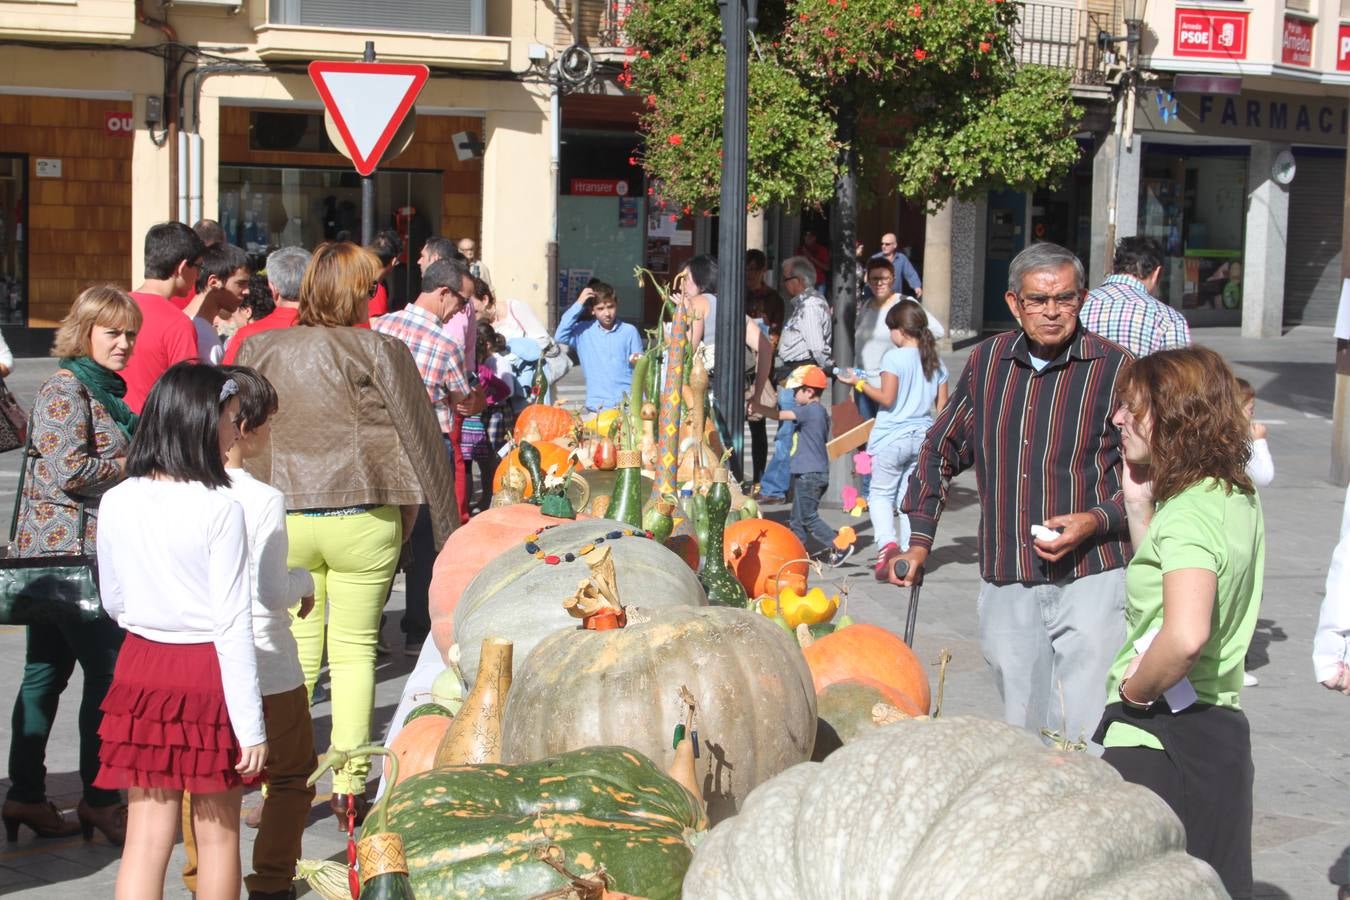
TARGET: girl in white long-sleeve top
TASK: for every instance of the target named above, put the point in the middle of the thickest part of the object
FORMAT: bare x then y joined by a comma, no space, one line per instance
1331,644
184,712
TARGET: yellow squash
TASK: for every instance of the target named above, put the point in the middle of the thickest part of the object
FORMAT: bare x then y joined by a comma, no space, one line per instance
811,608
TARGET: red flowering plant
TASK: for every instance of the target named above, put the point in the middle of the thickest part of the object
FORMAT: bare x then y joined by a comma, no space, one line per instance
936,78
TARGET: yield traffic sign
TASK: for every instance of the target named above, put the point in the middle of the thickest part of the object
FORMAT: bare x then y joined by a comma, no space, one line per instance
368,102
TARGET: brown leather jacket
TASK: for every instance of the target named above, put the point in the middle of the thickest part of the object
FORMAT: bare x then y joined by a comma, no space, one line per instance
354,424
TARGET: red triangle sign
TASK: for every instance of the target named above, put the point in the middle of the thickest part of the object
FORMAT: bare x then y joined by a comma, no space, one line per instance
368,101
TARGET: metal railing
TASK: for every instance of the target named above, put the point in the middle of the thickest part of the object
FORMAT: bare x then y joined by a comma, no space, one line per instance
1062,37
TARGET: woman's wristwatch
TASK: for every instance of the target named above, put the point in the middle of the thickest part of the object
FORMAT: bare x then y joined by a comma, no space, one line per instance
1130,701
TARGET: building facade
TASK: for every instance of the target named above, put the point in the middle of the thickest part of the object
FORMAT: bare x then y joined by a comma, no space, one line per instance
118,114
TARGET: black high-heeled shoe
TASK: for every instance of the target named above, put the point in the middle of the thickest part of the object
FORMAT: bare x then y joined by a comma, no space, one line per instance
339,806
45,820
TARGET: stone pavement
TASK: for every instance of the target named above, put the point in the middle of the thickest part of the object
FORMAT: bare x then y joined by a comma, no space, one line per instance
1302,829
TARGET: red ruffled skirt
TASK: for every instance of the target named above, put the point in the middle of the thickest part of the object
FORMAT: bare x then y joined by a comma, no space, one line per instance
165,724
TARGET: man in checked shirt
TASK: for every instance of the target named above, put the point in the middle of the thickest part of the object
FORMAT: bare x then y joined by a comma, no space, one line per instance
1032,415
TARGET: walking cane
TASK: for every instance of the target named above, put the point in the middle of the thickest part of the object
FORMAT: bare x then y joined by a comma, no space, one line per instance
899,569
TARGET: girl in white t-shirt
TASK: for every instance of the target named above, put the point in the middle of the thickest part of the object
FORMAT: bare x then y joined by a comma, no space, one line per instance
184,712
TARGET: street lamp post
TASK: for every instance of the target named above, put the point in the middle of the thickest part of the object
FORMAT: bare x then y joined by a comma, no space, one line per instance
738,20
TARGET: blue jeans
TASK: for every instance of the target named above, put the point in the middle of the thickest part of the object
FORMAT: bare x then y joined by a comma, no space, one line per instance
891,467
807,489
776,475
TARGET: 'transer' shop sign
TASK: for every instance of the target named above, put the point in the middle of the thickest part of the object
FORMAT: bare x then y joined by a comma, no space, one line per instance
1210,35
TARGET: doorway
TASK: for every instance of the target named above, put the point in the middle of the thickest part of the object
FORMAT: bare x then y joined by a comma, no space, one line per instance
1006,238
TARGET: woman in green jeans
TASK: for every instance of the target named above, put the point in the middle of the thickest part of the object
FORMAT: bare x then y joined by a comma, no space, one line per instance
356,448
80,432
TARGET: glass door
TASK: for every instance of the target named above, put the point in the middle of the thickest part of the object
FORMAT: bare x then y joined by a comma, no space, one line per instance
13,238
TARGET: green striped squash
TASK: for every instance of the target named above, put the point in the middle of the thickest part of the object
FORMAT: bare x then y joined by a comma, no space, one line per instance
474,831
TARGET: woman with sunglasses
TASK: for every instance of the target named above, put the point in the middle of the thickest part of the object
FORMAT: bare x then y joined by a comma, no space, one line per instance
356,448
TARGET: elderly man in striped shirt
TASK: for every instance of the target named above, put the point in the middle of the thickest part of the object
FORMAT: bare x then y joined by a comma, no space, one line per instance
1031,415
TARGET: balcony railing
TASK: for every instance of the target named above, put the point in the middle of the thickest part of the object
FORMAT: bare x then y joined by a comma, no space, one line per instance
601,23
1062,37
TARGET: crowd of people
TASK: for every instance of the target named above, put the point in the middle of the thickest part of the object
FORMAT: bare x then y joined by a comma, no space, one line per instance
268,449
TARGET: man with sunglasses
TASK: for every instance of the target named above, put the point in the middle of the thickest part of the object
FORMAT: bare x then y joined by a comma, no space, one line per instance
1032,415
906,276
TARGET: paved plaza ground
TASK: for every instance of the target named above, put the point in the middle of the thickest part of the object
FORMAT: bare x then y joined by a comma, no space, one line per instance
1299,730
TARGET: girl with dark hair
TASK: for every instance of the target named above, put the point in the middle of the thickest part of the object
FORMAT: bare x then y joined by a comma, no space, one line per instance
1173,723
184,711
912,380
698,297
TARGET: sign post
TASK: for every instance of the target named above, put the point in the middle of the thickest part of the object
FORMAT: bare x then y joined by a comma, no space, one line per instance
367,101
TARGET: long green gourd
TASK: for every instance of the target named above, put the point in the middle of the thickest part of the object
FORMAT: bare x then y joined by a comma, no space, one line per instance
380,857
717,578
625,504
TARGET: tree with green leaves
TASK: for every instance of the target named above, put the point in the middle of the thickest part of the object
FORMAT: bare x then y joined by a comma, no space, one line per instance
927,92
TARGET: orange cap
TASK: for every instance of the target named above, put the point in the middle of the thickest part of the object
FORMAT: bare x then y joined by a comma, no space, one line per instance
808,376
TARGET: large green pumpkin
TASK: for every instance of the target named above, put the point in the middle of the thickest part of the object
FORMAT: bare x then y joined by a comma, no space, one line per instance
474,831
950,808
756,707
519,597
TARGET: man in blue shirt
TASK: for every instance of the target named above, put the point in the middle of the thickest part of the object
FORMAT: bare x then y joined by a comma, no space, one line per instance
606,347
907,282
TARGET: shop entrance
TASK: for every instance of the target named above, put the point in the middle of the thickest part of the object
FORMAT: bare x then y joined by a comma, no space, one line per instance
1007,237
266,207
13,246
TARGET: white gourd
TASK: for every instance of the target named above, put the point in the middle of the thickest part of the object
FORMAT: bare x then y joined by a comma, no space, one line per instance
949,808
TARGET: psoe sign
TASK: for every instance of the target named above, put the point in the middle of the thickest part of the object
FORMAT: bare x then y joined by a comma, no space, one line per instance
1210,35
1343,49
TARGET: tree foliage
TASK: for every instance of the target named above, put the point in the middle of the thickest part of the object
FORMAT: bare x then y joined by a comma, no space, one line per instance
942,105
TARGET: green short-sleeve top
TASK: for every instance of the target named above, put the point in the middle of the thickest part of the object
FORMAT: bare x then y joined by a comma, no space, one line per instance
1203,527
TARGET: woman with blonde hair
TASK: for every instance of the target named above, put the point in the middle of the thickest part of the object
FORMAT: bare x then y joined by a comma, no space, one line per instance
356,448
80,430
1173,722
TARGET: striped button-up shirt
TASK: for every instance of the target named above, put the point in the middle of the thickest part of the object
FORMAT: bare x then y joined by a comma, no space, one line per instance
807,333
438,358
1120,309
1042,445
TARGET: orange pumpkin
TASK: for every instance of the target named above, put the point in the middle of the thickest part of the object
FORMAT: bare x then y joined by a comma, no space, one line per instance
871,655
468,549
550,455
416,743
756,549
685,547
552,422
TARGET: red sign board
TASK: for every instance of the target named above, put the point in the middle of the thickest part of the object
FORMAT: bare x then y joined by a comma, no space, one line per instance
368,101
1210,35
1296,44
119,124
599,187
1343,49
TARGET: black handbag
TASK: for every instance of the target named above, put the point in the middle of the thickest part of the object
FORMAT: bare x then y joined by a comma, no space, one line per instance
13,422
47,590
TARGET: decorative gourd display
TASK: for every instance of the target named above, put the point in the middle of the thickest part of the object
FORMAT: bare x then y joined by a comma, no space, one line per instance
950,808
685,546
475,735
475,831
872,655
755,700
756,549
812,608
469,548
551,456
518,595
380,860
717,578
625,503
548,421
416,743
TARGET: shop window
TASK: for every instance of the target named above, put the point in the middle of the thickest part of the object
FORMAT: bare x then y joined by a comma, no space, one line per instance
1298,5
263,208
13,249
275,130
427,16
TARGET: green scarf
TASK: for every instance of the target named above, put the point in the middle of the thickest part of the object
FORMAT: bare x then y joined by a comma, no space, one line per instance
105,386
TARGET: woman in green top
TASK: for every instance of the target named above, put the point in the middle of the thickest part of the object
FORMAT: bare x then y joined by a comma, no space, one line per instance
1194,587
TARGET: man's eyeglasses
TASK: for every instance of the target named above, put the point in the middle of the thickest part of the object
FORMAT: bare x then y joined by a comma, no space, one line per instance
881,279
1036,302
888,243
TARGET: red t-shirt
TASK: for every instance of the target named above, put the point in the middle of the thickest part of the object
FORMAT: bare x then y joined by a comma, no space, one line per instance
379,304
281,317
182,300
166,338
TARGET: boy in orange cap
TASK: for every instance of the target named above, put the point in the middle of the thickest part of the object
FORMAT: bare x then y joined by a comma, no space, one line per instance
810,463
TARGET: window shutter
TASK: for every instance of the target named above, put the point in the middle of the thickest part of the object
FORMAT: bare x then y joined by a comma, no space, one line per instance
428,16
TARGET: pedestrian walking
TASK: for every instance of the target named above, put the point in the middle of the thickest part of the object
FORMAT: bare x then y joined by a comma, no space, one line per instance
1123,308
80,430
285,270
173,256
222,285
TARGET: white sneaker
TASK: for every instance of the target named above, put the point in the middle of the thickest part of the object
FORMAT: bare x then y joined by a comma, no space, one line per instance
1249,680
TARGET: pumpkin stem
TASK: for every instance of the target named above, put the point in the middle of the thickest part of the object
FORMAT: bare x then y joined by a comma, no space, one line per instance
944,657
804,638
579,887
